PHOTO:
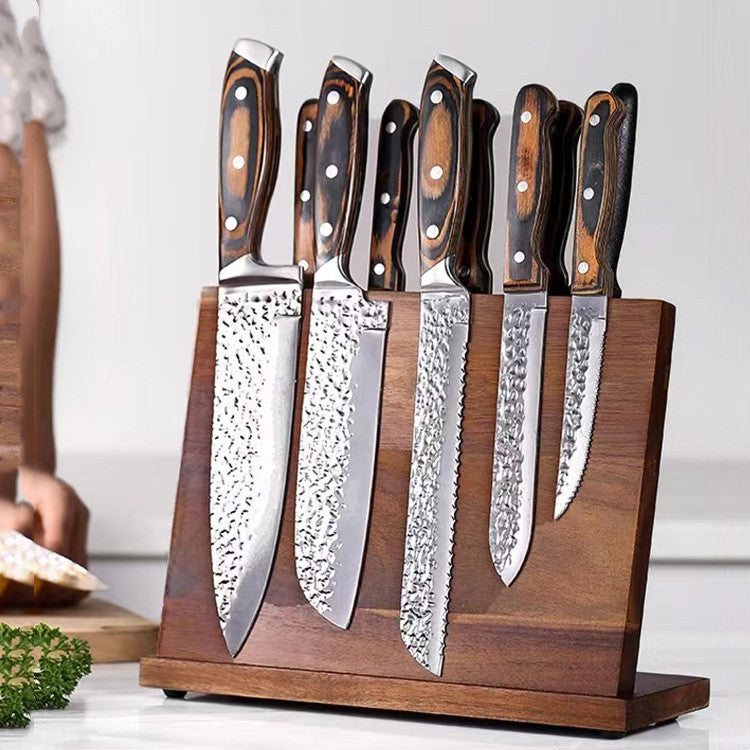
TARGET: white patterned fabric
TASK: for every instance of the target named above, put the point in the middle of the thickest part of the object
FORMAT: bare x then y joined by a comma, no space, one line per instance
47,103
15,105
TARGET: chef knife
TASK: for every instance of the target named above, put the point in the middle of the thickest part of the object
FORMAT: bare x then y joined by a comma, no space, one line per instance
256,348
340,411
524,319
304,176
393,181
443,169
603,196
472,263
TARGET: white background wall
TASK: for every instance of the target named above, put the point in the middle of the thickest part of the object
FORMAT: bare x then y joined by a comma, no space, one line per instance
137,172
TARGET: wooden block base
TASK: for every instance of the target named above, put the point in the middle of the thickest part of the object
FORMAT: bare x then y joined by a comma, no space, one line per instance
657,698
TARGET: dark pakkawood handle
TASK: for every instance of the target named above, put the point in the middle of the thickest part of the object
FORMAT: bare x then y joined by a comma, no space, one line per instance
393,181
249,148
473,265
340,157
566,131
529,188
304,186
444,159
597,183
628,95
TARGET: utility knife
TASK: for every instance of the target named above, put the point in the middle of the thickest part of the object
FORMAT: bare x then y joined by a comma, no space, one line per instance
304,179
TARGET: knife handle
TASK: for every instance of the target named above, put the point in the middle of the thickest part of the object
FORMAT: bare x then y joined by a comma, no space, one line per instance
249,147
393,181
473,266
597,184
340,158
304,185
565,134
529,189
444,159
628,95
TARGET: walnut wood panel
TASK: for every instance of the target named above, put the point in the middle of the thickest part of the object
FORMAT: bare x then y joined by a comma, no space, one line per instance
570,623
304,189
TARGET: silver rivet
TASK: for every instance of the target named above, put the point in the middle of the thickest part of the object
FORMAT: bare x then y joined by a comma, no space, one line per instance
378,269
385,198
333,97
519,257
307,127
240,93
331,171
526,116
238,162
436,96
436,172
303,264
588,194
230,223
390,127
432,231
304,196
326,229
522,186
583,267
594,120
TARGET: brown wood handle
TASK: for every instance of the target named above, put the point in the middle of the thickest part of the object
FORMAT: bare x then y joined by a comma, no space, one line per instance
529,188
472,265
393,181
304,187
444,159
597,184
249,148
566,131
340,157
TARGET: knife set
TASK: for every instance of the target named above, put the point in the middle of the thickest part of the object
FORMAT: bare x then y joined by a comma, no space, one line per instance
432,436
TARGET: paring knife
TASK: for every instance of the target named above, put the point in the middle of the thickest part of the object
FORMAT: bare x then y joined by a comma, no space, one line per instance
341,406
443,169
603,196
304,179
524,320
393,181
256,348
472,264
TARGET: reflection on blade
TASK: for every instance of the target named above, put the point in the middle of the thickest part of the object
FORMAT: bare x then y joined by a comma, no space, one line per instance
256,355
588,323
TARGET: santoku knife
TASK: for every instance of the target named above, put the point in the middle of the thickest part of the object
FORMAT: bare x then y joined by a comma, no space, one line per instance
524,319
304,179
341,407
603,195
443,169
393,181
256,348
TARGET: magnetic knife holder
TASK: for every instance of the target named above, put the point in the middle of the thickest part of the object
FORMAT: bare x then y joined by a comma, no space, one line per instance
559,646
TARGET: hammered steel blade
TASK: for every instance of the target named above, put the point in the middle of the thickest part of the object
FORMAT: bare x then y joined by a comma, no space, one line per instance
438,406
338,443
588,324
516,425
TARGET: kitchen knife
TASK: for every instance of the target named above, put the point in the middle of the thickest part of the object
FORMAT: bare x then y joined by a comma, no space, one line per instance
393,181
443,170
603,196
256,348
524,318
473,267
304,177
340,411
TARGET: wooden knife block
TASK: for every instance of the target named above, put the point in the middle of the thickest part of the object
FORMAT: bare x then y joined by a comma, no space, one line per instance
560,646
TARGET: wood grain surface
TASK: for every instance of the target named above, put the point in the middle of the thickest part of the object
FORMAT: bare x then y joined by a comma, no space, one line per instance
304,190
570,623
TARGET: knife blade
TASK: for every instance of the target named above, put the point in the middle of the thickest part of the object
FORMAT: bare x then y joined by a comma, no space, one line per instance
393,181
341,406
304,178
524,319
472,263
256,348
443,169
603,195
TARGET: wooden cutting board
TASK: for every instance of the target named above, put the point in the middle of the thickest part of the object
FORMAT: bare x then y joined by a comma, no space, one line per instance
113,633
